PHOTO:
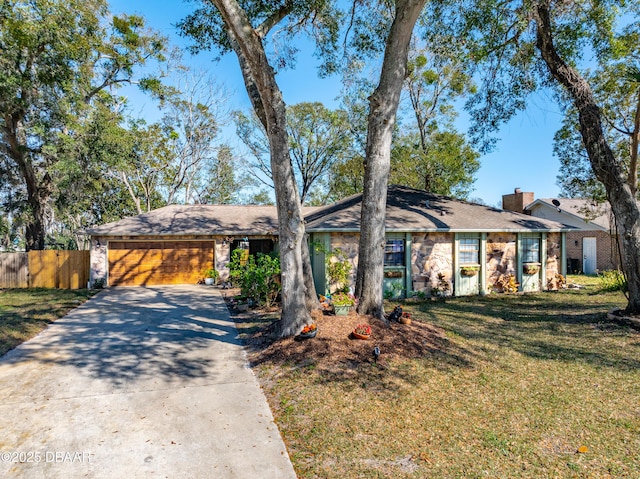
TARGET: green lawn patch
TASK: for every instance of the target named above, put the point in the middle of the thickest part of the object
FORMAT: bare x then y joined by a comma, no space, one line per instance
26,312
525,386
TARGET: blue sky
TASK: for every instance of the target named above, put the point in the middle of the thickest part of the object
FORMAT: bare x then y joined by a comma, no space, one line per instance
522,157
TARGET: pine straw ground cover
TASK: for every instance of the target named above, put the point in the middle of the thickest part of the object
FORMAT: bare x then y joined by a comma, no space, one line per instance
26,312
504,386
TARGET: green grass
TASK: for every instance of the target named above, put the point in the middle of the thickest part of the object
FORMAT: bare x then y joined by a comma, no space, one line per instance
26,312
523,382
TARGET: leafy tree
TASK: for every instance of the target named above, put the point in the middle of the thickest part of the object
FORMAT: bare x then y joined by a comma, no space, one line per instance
143,170
520,47
56,58
432,155
617,89
427,152
88,192
233,28
218,184
346,178
318,139
444,164
261,197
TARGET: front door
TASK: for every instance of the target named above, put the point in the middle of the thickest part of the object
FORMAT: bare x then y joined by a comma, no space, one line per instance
469,265
589,255
531,263
394,267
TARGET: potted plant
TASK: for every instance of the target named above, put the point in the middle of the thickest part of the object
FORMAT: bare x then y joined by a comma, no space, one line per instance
241,303
210,276
469,270
531,268
443,288
362,331
342,303
309,331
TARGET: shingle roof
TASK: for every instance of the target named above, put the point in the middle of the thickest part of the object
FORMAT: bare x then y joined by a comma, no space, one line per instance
587,210
195,220
415,210
407,210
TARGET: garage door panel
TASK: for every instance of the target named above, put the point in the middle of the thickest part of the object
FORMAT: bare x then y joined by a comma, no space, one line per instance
158,262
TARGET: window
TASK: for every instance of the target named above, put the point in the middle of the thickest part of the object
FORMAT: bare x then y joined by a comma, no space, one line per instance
530,250
468,249
394,252
251,247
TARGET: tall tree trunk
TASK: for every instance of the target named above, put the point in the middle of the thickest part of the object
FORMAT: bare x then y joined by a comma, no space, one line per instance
38,191
605,166
257,70
633,154
383,105
311,295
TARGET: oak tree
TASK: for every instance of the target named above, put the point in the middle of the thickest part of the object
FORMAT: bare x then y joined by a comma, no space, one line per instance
56,59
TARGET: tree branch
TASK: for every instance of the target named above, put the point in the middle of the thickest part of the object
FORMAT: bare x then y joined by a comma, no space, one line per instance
266,26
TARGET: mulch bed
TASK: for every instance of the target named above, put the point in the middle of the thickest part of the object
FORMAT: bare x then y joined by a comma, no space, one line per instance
333,347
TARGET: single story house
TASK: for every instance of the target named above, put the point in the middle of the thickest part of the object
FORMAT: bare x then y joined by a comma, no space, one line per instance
592,241
431,239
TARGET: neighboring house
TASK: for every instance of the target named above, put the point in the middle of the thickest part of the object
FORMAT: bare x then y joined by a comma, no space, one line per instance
591,244
430,239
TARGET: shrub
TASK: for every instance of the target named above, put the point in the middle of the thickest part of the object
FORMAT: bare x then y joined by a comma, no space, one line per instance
396,290
443,288
338,268
343,299
258,278
612,280
237,266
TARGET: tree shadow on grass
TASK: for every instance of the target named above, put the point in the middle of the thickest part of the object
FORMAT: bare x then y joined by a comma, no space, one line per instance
156,334
542,326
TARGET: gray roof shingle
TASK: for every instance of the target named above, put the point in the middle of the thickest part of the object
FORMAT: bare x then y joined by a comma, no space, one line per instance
587,210
407,210
176,220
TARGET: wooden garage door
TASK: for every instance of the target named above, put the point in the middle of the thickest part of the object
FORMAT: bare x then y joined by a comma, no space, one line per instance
158,262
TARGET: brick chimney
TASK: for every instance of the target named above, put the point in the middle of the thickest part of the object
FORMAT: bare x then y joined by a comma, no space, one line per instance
517,201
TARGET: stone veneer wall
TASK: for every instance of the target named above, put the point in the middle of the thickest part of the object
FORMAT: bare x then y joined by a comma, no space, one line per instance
348,243
500,256
98,259
222,258
431,254
554,248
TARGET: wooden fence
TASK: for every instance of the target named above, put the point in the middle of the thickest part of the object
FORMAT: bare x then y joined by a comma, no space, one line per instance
45,269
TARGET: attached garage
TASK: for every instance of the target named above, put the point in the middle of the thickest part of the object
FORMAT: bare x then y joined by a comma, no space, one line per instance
134,263
175,244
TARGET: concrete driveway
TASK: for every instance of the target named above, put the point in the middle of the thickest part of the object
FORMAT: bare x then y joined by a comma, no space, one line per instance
137,382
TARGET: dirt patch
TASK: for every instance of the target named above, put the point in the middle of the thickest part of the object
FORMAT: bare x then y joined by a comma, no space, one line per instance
333,345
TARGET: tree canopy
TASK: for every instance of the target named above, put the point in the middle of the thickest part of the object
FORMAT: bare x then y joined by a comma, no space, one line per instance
58,62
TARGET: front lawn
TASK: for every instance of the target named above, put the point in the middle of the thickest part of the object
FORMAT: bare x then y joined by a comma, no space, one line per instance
26,312
509,386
